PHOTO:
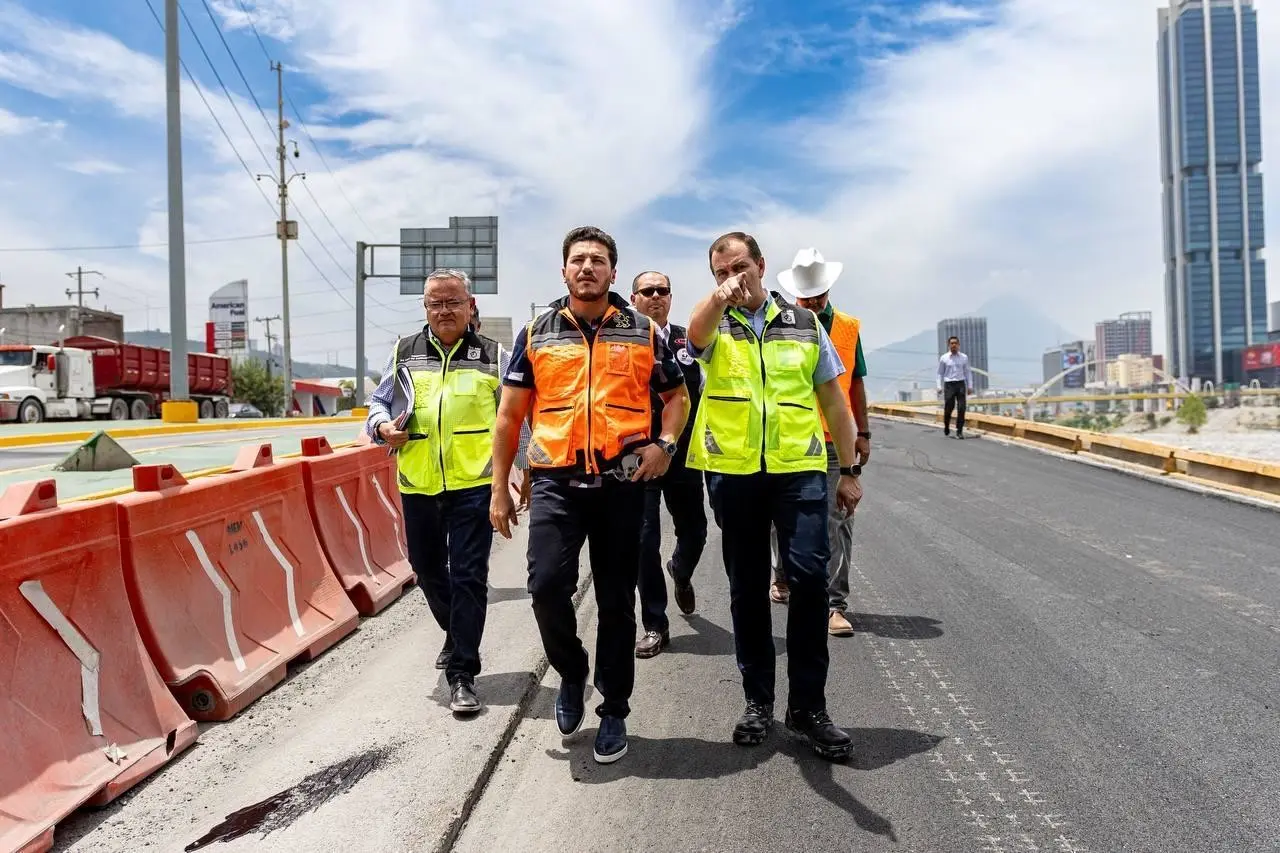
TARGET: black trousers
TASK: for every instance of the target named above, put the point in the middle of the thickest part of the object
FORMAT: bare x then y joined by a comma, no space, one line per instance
681,487
796,506
608,518
955,400
449,538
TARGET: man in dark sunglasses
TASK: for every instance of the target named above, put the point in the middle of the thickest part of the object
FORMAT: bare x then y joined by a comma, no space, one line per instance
680,486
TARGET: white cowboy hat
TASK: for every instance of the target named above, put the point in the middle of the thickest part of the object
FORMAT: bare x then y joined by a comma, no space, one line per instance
809,275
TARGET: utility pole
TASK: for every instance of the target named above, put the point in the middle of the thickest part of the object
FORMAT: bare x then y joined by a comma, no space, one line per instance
285,230
179,388
270,337
80,292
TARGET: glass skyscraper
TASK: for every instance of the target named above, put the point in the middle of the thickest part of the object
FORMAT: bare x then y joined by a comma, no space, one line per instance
1211,153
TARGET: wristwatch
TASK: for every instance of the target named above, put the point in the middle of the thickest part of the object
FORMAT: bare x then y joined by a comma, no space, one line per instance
865,435
851,471
667,447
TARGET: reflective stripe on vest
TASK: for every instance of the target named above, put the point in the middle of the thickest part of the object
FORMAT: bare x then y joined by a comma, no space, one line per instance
591,404
455,407
758,409
844,337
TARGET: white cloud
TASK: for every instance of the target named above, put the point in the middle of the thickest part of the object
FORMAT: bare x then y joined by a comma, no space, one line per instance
95,167
12,124
1017,155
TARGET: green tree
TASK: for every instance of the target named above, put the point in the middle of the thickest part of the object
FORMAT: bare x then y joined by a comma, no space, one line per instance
253,385
1192,413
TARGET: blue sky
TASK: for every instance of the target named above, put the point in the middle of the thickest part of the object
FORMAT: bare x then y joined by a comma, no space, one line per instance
946,151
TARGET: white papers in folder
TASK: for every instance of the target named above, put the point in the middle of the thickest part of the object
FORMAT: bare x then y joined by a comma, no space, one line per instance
404,379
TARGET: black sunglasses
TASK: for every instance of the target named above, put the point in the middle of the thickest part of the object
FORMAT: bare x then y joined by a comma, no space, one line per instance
654,291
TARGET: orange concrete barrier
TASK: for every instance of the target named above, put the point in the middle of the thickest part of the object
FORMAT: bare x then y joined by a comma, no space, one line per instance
84,716
355,506
228,581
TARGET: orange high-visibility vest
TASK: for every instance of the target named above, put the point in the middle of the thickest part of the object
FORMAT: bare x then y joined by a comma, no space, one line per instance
844,337
591,403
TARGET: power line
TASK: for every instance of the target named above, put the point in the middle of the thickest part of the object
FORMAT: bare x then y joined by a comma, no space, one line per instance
218,29
130,245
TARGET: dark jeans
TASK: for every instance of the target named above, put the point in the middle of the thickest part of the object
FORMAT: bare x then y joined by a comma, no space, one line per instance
449,538
608,519
796,505
955,399
682,489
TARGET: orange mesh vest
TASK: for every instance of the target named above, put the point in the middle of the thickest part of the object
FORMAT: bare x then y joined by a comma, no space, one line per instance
591,402
844,337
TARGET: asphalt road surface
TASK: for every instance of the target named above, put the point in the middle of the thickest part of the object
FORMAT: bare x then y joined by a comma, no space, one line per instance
1049,657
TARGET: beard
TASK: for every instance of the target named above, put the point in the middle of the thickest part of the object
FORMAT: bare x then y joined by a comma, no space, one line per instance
589,290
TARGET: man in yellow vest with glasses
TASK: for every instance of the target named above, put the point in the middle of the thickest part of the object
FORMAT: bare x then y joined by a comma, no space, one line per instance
435,407
771,375
810,280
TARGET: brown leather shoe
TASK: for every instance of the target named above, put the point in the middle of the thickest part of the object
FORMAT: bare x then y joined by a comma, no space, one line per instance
838,625
651,643
779,592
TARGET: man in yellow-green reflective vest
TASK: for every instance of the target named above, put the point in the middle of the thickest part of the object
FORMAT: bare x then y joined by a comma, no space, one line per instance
435,407
770,369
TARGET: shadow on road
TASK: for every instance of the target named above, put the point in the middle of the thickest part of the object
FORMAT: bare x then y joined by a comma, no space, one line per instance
895,627
495,690
498,595
710,640
694,759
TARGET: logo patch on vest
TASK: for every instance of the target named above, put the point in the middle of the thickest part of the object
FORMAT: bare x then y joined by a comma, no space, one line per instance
789,317
682,356
473,353
622,320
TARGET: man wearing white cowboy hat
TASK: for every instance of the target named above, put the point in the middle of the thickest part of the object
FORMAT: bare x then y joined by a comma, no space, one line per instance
810,280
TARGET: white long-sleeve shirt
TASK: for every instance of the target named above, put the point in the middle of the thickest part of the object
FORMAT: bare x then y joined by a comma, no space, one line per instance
954,368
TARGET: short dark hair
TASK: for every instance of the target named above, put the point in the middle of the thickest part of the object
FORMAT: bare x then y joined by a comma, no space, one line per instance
722,242
953,338
635,282
590,234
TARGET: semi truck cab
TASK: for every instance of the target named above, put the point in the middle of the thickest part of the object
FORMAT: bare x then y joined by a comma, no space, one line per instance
39,382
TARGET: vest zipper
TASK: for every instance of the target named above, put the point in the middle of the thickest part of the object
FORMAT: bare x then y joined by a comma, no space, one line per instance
588,452
444,371
764,403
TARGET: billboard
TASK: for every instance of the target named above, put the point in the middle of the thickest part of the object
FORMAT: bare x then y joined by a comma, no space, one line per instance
228,328
470,244
1076,378
1262,356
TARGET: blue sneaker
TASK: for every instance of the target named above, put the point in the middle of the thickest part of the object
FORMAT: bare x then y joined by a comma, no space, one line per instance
611,740
571,707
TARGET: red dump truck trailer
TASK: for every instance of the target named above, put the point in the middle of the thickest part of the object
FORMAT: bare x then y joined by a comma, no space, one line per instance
135,377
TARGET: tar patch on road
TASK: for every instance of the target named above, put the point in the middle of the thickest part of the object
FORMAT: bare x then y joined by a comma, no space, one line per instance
283,809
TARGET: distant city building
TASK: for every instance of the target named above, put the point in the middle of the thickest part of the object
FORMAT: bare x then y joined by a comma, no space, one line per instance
501,329
39,325
1131,333
1211,152
1091,360
1063,357
1131,371
1274,333
1262,362
972,332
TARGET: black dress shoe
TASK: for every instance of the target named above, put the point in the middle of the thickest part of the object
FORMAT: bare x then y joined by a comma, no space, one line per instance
571,707
825,737
442,659
754,725
651,643
685,599
463,699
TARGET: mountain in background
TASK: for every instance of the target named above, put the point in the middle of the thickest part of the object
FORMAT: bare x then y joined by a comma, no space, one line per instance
301,369
1017,337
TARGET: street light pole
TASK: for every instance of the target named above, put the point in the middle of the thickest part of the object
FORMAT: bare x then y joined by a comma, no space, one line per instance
178,383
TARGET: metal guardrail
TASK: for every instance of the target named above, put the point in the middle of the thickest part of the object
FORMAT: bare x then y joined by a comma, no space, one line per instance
1242,474
1089,398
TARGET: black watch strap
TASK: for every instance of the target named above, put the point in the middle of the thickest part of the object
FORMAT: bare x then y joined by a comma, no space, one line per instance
865,435
668,447
851,471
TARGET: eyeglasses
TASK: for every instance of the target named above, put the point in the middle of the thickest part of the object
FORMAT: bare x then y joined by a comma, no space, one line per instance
439,307
651,292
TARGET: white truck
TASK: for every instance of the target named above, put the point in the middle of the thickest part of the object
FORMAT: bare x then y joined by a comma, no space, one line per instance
93,377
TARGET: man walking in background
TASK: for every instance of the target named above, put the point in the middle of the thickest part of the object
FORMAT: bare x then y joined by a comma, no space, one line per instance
955,380
810,280
436,406
681,486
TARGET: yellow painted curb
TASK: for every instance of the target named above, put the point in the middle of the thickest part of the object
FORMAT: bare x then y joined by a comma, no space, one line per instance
162,429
